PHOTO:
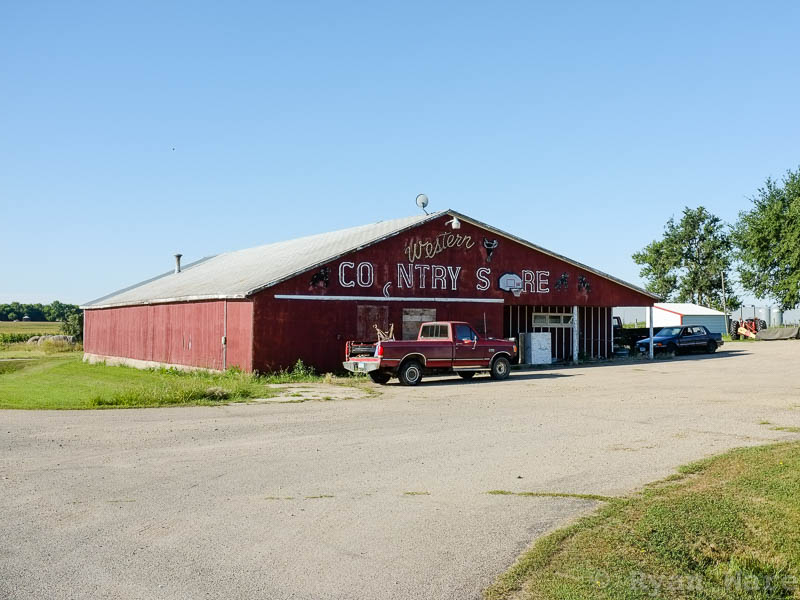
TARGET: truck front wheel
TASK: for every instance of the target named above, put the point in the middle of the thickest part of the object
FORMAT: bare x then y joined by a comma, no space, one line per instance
410,373
380,377
500,368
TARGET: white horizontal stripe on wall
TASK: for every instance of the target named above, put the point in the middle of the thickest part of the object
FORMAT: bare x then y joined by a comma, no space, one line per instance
388,299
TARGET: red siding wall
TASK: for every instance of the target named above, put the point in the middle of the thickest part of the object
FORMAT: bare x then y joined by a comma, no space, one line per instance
316,330
240,335
187,333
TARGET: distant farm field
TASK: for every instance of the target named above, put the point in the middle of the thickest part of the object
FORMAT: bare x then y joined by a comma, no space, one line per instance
32,327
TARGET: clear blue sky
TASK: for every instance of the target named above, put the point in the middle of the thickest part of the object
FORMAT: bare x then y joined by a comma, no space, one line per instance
582,127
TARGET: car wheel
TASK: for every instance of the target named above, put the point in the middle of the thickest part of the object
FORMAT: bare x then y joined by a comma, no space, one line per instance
672,349
380,377
711,346
410,373
466,374
500,368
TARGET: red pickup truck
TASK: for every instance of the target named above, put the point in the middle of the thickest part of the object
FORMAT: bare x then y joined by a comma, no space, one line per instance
441,347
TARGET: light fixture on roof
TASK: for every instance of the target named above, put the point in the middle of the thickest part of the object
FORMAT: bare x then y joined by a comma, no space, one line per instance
422,202
454,223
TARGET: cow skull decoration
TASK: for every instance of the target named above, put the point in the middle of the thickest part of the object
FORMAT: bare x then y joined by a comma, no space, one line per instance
490,246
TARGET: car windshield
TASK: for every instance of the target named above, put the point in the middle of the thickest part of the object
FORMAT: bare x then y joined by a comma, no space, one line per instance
669,331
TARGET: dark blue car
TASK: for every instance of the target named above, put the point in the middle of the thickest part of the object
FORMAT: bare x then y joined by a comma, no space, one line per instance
682,339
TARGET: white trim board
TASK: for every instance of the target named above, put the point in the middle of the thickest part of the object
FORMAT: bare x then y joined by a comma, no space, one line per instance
388,299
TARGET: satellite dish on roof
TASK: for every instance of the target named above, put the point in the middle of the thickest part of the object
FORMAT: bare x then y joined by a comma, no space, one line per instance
422,202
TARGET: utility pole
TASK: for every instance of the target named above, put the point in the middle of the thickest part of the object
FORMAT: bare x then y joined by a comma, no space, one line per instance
724,299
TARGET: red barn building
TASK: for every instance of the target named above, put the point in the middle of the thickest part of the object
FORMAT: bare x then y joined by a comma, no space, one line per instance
265,307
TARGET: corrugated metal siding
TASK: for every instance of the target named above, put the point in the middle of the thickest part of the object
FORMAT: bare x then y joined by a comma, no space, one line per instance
714,323
287,330
185,334
240,335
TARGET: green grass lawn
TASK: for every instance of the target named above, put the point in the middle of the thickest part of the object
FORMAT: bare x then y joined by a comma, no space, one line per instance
37,380
723,528
31,327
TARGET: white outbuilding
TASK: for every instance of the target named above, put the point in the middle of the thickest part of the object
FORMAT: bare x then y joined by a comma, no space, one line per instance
667,314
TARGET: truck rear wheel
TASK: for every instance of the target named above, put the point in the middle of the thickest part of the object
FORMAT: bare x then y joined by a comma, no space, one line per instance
410,373
500,368
380,377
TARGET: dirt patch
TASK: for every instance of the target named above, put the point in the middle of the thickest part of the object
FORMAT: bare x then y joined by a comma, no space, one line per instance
318,392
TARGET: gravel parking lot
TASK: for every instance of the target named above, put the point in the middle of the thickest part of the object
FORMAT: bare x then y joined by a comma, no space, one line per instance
380,497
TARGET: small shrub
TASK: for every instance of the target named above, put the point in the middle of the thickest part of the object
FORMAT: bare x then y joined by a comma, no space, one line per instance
300,372
73,325
15,338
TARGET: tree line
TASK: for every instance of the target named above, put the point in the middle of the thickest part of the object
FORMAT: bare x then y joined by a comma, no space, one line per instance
695,258
55,311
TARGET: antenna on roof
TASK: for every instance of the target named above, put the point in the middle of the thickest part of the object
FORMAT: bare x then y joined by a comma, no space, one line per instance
422,202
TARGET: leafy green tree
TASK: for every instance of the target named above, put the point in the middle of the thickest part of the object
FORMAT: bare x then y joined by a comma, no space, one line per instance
767,239
687,263
35,312
73,325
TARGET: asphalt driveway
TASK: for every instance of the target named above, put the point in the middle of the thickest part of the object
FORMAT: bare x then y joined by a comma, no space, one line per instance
363,498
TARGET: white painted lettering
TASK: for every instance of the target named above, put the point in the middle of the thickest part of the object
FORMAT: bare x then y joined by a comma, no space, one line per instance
483,280
438,277
542,282
528,281
365,274
342,281
453,273
422,270
405,277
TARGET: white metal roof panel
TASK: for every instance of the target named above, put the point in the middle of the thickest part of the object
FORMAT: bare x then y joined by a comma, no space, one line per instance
686,308
241,273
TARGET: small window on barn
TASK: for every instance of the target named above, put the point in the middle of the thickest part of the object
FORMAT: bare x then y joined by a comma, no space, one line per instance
540,319
555,319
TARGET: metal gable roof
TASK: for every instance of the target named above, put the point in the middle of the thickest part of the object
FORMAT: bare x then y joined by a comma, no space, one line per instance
239,274
686,308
